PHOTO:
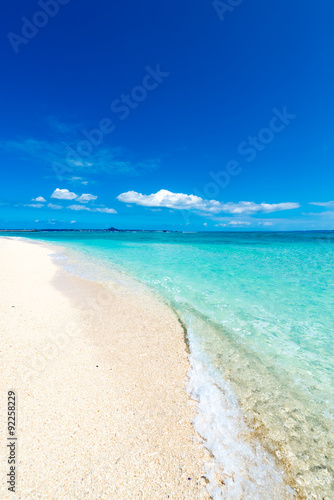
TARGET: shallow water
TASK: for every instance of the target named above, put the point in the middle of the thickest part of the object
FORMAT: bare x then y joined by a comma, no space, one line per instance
259,308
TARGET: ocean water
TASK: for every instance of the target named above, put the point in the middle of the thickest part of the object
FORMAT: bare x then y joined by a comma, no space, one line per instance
258,308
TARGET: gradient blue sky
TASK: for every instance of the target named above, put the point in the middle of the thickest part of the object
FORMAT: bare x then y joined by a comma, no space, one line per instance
227,119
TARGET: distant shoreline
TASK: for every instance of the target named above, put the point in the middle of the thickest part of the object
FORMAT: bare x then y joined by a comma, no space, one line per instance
114,230
110,230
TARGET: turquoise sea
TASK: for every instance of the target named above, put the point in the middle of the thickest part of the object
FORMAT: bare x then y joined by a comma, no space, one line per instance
258,308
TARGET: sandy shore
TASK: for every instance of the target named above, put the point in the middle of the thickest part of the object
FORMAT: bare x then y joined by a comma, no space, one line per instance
100,378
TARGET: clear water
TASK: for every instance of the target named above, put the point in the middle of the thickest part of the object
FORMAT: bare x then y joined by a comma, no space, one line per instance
259,310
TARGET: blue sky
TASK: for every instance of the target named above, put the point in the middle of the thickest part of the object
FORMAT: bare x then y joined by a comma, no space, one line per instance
177,115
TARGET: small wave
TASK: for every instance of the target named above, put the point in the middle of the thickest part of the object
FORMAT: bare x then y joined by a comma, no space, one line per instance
240,467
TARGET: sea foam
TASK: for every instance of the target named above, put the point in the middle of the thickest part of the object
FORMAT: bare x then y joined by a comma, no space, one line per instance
240,467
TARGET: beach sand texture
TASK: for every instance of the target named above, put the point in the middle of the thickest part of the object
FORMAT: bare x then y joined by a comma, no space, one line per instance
100,378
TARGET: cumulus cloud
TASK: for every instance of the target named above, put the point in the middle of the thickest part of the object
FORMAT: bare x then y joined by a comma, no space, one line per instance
327,204
162,198
86,197
180,201
63,194
40,199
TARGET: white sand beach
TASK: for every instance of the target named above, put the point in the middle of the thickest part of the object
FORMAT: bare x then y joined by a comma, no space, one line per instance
100,378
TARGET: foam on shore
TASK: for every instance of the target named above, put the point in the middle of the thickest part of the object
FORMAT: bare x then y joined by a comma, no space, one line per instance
241,467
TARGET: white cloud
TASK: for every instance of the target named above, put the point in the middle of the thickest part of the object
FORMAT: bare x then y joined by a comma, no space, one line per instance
234,223
73,221
329,204
81,163
54,207
239,223
85,197
88,209
162,198
78,207
34,205
249,207
39,199
180,201
79,180
63,194
105,210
